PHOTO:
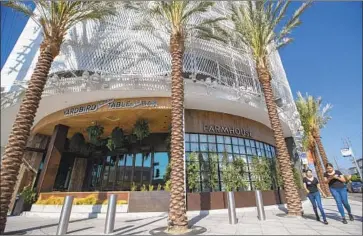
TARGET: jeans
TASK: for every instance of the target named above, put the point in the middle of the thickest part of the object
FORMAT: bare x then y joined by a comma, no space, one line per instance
315,199
341,197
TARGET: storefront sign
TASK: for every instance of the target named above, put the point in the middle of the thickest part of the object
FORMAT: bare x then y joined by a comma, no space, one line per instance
215,129
111,104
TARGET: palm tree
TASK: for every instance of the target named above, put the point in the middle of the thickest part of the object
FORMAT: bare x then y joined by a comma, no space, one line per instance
312,119
254,31
175,17
55,18
323,119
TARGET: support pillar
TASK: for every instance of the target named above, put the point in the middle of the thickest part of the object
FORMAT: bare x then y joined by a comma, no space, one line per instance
78,174
33,159
52,159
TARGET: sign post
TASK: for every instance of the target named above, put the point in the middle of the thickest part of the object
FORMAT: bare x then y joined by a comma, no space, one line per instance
348,152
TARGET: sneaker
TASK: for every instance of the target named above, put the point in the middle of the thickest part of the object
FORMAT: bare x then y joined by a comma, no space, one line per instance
345,221
325,222
351,218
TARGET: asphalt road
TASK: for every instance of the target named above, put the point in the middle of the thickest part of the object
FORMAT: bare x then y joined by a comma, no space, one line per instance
356,196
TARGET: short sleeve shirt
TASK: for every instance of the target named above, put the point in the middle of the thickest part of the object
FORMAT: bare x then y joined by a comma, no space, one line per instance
311,185
335,183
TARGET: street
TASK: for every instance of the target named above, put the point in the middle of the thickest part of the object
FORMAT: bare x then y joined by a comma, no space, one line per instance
356,196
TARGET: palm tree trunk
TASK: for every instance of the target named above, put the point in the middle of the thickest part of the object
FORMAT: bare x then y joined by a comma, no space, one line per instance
292,195
323,155
319,171
19,135
178,220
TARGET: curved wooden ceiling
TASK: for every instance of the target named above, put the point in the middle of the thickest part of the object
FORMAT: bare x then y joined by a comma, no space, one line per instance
155,110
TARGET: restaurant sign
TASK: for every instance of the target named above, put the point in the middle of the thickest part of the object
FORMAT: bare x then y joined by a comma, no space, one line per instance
215,129
111,104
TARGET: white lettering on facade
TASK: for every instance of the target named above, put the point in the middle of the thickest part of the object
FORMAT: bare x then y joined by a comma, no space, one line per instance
112,104
215,129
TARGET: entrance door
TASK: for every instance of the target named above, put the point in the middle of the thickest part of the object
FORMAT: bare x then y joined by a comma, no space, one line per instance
109,173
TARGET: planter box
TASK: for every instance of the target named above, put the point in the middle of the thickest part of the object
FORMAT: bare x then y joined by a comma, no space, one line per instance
154,201
77,208
206,201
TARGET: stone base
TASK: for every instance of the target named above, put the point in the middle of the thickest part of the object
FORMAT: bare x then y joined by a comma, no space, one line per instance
191,231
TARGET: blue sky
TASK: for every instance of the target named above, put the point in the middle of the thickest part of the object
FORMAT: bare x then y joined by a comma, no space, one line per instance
325,60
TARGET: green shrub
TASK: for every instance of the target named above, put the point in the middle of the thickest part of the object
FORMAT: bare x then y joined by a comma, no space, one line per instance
51,201
133,186
159,187
167,186
192,172
29,195
119,202
143,188
151,187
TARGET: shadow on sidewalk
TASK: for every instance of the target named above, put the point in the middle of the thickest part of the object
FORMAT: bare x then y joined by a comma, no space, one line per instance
24,231
138,227
78,230
197,218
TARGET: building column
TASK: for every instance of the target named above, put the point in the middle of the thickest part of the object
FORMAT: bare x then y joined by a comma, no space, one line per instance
52,159
30,166
78,174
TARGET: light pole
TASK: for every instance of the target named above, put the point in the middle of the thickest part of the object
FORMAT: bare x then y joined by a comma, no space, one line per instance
349,144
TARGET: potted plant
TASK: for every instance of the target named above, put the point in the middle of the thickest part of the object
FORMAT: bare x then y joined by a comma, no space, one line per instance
193,172
76,142
141,131
94,134
117,140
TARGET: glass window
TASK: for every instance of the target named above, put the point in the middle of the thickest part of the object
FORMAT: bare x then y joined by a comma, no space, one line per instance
232,147
203,147
194,137
220,139
211,138
254,151
234,141
212,147
252,142
247,142
221,148
227,139
241,141
242,149
129,159
161,161
187,137
147,160
228,148
203,138
138,159
187,147
194,147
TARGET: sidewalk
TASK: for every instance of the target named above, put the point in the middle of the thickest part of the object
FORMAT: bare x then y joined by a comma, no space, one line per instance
215,223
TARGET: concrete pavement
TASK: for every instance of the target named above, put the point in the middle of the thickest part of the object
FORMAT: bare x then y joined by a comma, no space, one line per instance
215,223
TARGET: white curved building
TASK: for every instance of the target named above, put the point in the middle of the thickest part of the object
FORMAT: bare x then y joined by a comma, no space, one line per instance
111,74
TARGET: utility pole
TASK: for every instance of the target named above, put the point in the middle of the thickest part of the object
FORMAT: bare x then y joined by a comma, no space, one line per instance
349,144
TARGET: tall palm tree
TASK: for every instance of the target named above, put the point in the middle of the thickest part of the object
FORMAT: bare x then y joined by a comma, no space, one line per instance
175,17
323,119
256,32
55,18
312,119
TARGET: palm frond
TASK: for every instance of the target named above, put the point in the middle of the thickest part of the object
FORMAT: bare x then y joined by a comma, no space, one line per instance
256,23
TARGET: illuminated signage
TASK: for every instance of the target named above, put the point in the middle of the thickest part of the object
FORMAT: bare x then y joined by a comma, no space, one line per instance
215,129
